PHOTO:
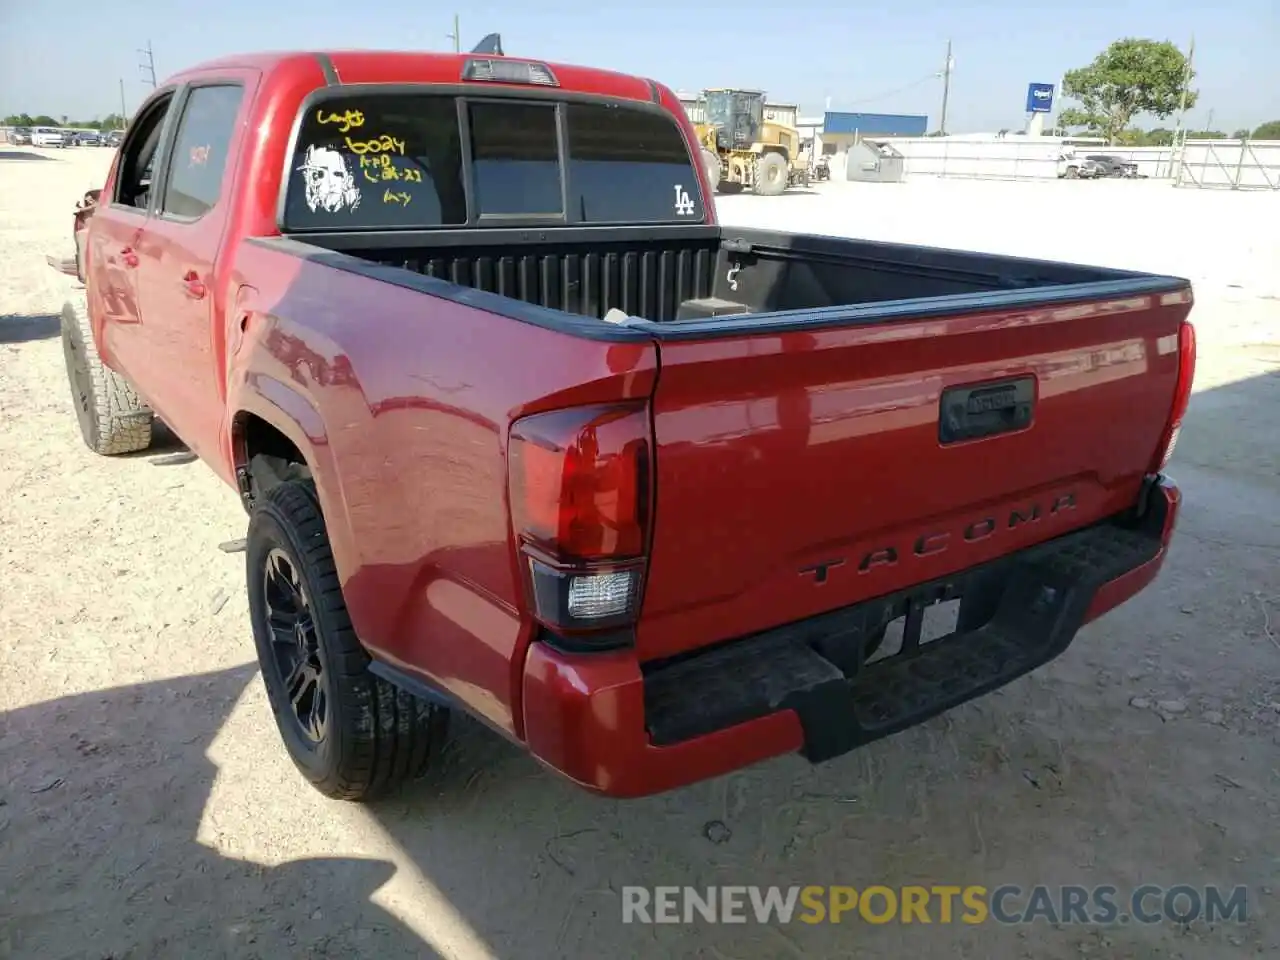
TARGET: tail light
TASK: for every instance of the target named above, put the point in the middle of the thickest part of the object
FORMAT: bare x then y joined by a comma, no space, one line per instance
579,493
1181,395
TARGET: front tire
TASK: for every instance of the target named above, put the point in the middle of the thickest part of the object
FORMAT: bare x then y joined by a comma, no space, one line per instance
770,174
351,734
113,419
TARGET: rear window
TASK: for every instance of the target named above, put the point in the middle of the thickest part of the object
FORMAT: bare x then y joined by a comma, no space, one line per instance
628,166
398,161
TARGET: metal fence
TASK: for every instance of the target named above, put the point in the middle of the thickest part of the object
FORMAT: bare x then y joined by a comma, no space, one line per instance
1230,165
1014,158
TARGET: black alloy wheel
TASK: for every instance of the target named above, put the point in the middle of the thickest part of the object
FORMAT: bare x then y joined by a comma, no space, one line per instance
296,647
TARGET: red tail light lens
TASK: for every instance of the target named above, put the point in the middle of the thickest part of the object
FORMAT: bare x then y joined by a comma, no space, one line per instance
1181,395
579,492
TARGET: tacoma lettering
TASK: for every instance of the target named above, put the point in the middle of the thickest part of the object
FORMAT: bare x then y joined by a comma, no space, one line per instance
935,542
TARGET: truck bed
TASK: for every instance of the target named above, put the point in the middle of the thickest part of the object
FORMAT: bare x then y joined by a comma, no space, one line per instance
649,272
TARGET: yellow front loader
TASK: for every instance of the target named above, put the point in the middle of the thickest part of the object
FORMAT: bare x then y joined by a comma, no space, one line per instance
743,151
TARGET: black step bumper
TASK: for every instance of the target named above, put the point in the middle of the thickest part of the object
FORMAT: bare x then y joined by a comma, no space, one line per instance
1016,614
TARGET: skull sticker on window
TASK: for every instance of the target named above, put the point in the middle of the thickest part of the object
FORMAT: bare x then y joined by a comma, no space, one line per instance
330,185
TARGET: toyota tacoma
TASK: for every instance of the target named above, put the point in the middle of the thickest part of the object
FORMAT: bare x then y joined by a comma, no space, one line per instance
522,431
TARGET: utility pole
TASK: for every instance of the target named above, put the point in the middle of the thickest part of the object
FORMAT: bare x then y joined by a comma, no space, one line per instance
148,67
1179,129
456,36
946,89
124,112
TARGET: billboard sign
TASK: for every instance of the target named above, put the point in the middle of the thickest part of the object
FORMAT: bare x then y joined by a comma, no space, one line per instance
1039,97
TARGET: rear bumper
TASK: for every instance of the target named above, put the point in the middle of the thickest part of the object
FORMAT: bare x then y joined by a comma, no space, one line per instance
626,730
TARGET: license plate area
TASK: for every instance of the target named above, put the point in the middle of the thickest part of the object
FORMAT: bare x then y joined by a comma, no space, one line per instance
924,622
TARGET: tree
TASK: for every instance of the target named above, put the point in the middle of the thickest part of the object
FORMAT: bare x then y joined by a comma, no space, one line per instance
1130,77
1267,131
1159,137
1241,134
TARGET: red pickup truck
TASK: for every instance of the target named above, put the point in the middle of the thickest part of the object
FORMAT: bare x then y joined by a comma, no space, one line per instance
522,431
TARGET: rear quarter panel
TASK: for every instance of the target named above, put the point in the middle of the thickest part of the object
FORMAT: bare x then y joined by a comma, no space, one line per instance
402,403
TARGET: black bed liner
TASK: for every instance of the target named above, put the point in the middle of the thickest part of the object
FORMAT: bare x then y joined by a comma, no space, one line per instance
558,276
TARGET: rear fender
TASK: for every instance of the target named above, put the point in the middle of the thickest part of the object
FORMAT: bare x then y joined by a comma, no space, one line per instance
295,415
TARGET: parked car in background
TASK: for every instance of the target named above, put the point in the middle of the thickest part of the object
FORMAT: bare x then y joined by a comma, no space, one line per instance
20,136
1071,167
88,138
1113,166
112,138
48,137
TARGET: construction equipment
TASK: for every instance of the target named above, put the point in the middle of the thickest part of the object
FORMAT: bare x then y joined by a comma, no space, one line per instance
742,149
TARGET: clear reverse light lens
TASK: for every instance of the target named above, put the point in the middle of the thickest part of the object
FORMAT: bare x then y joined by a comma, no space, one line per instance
598,595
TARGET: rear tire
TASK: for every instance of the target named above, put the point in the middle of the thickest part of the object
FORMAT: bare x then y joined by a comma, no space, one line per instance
113,419
351,734
771,174
1073,173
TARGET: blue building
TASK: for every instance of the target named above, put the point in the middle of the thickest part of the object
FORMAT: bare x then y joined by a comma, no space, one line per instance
840,128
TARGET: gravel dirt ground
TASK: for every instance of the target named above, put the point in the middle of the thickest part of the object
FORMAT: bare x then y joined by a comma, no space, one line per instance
147,808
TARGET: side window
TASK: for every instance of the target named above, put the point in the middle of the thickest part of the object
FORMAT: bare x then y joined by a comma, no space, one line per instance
199,158
138,155
515,159
629,166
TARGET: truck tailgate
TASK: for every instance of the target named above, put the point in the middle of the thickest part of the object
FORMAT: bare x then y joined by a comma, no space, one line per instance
798,471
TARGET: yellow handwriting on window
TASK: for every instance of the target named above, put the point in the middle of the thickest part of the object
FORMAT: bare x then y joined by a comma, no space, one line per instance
391,196
346,120
383,144
374,169
412,176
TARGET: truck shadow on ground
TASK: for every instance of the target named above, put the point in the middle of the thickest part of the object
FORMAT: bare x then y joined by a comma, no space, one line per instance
124,875
24,328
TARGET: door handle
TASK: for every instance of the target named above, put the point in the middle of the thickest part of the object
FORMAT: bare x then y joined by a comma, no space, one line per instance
193,286
129,257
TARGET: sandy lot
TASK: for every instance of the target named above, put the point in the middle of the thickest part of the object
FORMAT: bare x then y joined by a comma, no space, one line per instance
148,810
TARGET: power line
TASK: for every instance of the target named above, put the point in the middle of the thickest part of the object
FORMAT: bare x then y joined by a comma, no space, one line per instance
893,93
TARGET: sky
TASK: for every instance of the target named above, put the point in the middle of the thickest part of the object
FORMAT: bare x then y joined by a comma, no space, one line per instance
878,57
